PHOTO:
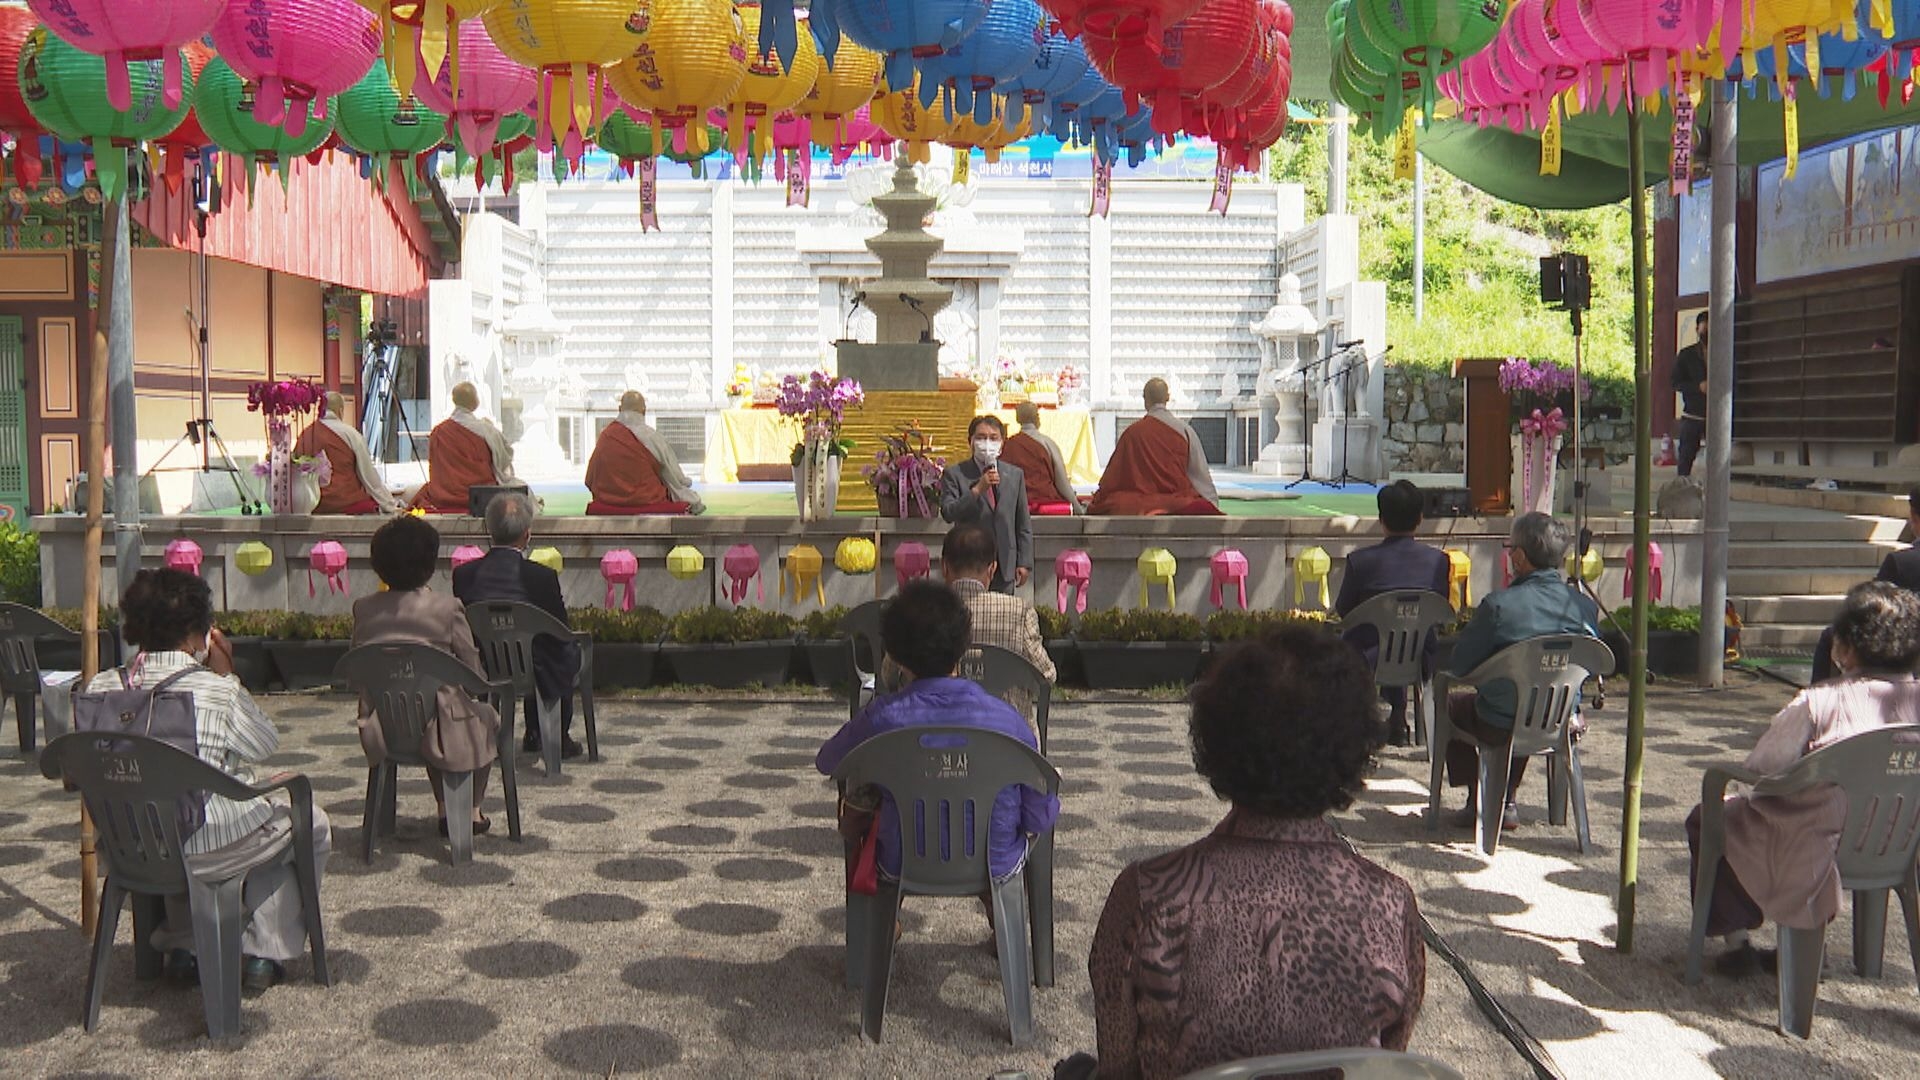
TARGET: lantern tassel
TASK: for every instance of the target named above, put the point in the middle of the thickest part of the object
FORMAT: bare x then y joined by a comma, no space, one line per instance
270,102
435,40
172,78
111,166
579,100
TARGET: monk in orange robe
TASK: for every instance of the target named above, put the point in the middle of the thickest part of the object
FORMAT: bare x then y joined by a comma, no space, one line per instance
633,471
1157,466
463,450
353,487
1049,488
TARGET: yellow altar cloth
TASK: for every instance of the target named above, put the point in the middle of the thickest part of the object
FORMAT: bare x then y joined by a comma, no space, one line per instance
761,437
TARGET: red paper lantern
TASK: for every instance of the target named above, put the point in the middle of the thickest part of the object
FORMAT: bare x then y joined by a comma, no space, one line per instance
15,119
1184,60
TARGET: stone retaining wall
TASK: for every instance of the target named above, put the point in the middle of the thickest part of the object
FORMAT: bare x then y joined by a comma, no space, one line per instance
1426,431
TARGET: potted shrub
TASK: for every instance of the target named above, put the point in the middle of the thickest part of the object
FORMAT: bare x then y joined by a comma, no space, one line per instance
307,647
1056,629
1134,650
730,648
248,632
824,644
1673,639
65,655
626,645
1227,625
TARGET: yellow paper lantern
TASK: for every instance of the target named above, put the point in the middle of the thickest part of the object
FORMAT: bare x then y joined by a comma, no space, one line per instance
253,558
547,557
1590,567
1459,579
852,81
803,567
423,29
856,555
1156,567
1312,567
770,89
690,56
1003,131
686,563
566,40
915,126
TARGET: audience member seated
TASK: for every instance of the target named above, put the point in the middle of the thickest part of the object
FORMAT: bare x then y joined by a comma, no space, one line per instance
1049,488
505,573
404,553
1779,861
353,486
1398,562
924,631
968,563
633,471
1157,467
1270,935
168,616
464,451
1900,567
1538,601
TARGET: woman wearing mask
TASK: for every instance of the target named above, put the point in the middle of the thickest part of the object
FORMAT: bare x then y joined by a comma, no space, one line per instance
984,491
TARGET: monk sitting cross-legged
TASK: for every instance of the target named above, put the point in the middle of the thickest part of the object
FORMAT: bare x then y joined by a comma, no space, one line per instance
1049,488
463,451
633,471
1157,466
353,487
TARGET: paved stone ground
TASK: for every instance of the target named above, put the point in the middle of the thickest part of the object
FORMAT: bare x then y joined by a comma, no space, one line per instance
675,910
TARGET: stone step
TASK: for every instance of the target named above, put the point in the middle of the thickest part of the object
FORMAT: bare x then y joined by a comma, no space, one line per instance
1783,581
1761,610
1809,554
1857,527
1775,635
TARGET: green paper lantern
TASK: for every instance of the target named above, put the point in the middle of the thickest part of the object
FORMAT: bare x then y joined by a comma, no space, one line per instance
223,103
1424,38
374,120
632,140
66,90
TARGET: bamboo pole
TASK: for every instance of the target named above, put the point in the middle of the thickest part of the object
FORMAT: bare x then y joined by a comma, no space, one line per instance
1718,454
96,452
1642,525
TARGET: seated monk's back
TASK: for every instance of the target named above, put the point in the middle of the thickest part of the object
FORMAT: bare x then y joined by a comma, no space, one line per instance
623,472
457,460
343,491
1030,456
1147,473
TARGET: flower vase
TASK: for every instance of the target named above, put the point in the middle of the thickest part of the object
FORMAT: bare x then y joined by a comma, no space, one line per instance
1535,462
306,492
816,482
280,466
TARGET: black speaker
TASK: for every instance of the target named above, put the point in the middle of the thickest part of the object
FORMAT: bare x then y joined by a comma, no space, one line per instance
479,495
1566,281
1445,503
1552,280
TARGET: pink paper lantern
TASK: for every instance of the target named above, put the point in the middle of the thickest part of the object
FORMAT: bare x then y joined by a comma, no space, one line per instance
1229,568
741,564
127,32
1073,569
330,559
492,86
465,554
1656,564
184,555
1648,36
619,567
297,51
911,561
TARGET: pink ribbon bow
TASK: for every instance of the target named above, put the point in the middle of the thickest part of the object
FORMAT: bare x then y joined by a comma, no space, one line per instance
1655,560
911,561
1548,424
1073,569
1229,566
742,564
185,555
619,566
330,559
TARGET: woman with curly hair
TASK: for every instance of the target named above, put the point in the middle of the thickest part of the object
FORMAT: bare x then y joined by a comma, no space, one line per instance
1270,935
1779,861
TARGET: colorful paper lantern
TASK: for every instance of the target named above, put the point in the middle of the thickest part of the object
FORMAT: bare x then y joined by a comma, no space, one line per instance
741,564
1073,570
66,91
420,35
1310,568
1425,38
1001,48
1008,123
904,30
911,562
1229,569
1058,65
1587,568
1156,566
854,131
253,558
803,567
567,41
329,558
686,563
768,90
689,56
1459,579
297,53
619,567
220,104
465,554
1187,58
123,33
1651,37
842,89
631,140
183,555
548,557
856,555
915,126
16,25
493,91
1656,573
375,120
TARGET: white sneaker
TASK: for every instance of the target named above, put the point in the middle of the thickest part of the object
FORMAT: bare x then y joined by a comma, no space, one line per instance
1823,485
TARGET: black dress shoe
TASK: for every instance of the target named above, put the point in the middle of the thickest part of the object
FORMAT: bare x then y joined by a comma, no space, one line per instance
181,966
570,749
479,827
260,973
1745,961
530,744
1399,735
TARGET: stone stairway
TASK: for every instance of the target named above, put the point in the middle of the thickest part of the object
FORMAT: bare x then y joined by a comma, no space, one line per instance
1786,578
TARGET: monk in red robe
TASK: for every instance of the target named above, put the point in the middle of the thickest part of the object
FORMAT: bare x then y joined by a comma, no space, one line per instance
1049,488
353,486
1158,466
464,450
633,471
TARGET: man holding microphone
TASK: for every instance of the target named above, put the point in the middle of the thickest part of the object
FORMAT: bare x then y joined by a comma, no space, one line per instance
982,490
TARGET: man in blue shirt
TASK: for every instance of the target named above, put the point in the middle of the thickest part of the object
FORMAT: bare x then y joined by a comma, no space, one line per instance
1539,601
1398,562
924,632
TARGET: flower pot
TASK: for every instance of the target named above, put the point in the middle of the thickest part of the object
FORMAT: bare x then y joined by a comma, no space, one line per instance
827,662
1066,662
253,662
306,492
731,666
814,502
1139,665
307,665
1671,653
624,665
65,655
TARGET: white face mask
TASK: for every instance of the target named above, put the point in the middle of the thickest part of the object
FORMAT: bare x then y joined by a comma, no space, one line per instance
206,650
986,451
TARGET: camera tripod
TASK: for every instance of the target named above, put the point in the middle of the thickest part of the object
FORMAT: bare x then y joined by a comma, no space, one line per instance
200,432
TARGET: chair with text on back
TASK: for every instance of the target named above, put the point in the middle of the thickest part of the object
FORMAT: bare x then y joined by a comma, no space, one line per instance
21,629
862,625
944,781
1368,1063
1402,619
403,683
138,790
505,631
1546,673
1879,772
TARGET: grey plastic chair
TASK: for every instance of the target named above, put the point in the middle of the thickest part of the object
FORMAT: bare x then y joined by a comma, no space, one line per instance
1359,1064
403,682
1000,672
21,628
940,777
135,786
1879,773
505,630
862,625
1402,620
1547,672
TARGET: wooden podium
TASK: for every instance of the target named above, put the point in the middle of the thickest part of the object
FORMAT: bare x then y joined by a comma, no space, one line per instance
1489,436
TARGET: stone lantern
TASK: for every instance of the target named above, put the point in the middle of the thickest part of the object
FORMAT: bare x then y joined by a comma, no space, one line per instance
534,342
1289,339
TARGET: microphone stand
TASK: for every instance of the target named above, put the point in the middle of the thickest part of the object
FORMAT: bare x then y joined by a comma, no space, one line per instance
1306,430
1345,377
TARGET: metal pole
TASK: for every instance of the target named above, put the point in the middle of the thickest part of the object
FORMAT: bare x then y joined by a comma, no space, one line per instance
1419,237
1714,532
121,403
1642,525
1337,159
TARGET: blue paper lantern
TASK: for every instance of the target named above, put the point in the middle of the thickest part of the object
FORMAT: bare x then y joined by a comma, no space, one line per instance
900,30
1001,48
1057,68
1063,109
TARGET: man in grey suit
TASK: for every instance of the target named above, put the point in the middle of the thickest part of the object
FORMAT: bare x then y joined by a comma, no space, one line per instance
981,490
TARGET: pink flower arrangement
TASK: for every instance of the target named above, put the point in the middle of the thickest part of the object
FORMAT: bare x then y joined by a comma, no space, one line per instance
906,474
1068,378
1544,378
287,397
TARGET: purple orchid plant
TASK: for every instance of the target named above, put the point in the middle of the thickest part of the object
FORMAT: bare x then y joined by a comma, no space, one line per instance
906,474
819,404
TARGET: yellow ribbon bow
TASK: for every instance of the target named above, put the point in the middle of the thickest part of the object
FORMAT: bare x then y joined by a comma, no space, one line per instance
1310,567
1157,567
1459,579
803,565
